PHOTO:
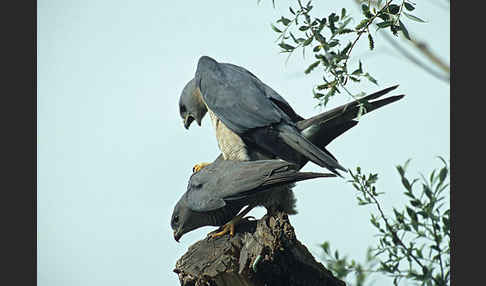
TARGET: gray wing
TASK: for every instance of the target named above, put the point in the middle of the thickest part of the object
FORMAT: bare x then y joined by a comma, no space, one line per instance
208,189
201,200
270,93
237,98
227,180
260,176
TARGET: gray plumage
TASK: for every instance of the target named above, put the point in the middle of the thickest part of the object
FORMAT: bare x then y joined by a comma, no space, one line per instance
232,89
248,113
320,129
218,192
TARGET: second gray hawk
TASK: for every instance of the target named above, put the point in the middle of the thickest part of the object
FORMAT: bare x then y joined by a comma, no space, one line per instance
216,194
251,120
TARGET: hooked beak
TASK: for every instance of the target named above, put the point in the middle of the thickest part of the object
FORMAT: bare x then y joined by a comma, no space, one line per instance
188,120
176,236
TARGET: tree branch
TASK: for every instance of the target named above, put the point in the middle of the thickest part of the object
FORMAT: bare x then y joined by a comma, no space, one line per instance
262,252
416,61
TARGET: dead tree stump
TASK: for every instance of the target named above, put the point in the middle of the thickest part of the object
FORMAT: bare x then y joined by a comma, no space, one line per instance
262,252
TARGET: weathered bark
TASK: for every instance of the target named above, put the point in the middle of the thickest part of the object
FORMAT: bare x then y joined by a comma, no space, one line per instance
262,252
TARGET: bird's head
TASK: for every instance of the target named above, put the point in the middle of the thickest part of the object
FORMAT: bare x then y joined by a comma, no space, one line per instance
183,220
191,105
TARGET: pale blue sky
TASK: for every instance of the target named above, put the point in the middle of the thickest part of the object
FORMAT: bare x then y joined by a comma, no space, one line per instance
113,156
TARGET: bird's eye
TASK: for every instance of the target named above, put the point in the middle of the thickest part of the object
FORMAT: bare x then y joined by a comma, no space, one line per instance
176,219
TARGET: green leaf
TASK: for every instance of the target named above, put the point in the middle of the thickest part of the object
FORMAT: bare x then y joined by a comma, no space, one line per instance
311,67
419,253
329,94
293,38
443,174
372,43
416,203
404,30
323,22
425,270
285,21
432,177
343,13
362,203
384,24
384,16
303,28
275,28
332,19
327,85
409,6
446,223
346,49
308,41
320,38
345,23
370,78
393,9
345,31
401,170
411,214
412,17
308,5
324,58
359,70
325,247
427,191
423,214
333,43
362,24
286,46
365,8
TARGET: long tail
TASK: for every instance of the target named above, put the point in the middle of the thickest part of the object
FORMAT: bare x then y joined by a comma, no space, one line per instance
270,174
299,143
293,177
327,126
350,110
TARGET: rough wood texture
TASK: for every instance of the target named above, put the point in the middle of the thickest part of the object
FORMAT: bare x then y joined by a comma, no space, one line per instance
262,252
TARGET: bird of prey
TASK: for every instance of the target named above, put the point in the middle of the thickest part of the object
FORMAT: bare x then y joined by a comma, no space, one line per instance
230,91
320,130
216,194
251,120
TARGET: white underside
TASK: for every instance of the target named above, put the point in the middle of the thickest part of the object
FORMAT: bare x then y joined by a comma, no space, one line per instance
230,144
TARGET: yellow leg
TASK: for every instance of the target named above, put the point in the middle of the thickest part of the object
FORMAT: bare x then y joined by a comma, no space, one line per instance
230,226
199,166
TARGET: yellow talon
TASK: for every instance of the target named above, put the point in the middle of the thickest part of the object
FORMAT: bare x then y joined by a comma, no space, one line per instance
229,227
198,167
